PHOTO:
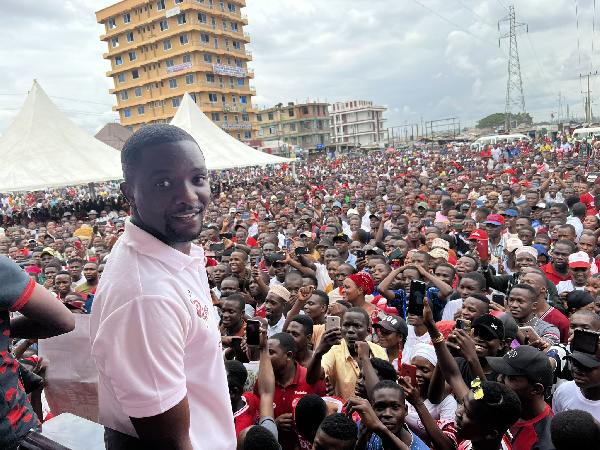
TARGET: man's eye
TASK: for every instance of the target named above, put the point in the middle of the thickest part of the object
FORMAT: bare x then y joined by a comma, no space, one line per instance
163,183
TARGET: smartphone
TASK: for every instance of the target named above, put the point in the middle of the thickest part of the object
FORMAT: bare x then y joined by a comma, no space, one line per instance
276,257
95,229
463,324
240,355
332,322
225,236
299,205
360,254
302,251
585,341
288,243
416,297
77,245
252,332
245,216
257,261
483,249
409,371
498,298
530,334
218,247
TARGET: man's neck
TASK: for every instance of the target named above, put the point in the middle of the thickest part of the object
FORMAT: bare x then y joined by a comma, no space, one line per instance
527,318
286,375
592,393
92,282
304,356
532,409
542,306
319,320
563,271
235,329
274,320
495,240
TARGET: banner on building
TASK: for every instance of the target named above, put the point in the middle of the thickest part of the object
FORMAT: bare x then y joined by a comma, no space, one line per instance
173,12
236,126
224,69
179,67
241,109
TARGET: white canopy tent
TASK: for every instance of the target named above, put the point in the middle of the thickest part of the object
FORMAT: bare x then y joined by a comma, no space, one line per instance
42,148
221,151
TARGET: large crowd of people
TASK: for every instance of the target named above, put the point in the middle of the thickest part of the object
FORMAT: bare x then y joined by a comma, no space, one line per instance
440,297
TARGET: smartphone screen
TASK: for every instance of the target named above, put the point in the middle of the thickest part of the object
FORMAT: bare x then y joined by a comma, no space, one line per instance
463,324
585,341
360,254
252,332
417,294
498,298
240,355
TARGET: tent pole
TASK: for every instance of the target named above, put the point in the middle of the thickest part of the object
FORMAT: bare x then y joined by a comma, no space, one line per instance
92,191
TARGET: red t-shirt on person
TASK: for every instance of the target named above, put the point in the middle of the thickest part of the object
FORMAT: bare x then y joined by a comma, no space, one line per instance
558,319
588,199
249,414
553,275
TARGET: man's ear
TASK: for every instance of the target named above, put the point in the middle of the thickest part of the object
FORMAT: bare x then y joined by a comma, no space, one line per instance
127,190
537,389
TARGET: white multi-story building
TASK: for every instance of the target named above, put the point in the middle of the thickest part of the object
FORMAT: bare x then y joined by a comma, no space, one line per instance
357,123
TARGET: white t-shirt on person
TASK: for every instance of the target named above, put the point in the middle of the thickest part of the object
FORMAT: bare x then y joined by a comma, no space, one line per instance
569,396
155,340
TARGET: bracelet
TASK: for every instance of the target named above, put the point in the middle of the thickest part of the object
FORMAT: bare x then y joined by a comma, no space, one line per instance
438,339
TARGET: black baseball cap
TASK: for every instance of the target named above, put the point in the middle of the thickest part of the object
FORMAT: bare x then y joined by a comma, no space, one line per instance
585,359
490,323
527,362
341,237
393,323
510,325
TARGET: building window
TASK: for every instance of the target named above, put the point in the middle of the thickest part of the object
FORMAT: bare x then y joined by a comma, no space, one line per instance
193,97
137,92
216,117
207,58
126,18
115,42
183,39
175,102
112,23
259,117
141,110
132,56
270,116
294,141
189,79
181,20
236,118
130,37
245,118
118,61
241,82
160,5
239,63
127,112
236,45
212,97
202,18
177,2
205,38
271,130
243,99
261,132
167,45
291,112
173,83
135,74
164,25
224,25
186,59
234,26
210,78
121,78
247,134
231,7
124,96
169,63
292,127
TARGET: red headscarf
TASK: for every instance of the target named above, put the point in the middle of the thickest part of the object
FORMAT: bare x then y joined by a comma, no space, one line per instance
364,281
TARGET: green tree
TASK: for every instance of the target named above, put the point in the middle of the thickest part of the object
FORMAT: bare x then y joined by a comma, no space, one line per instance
498,119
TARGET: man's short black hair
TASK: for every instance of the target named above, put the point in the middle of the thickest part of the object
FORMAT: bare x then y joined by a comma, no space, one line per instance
502,403
310,411
259,438
448,266
574,428
570,244
237,374
362,236
340,427
424,253
237,298
62,272
146,137
286,343
312,278
241,252
379,257
481,297
384,369
306,322
344,303
579,210
528,288
359,310
477,277
387,384
55,265
323,297
564,208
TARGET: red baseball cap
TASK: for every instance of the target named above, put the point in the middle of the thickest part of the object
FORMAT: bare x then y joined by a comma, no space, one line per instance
495,219
478,234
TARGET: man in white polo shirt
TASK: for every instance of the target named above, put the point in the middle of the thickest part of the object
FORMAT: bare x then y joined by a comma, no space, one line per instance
153,328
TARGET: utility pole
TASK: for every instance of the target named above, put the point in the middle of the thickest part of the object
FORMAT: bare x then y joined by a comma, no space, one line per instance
515,99
588,100
560,108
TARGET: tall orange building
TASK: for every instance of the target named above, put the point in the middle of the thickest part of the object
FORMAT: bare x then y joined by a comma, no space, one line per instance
159,49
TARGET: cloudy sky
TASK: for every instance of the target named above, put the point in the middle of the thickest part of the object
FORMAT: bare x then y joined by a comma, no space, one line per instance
400,54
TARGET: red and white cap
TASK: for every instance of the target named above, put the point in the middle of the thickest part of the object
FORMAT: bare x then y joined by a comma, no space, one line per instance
579,259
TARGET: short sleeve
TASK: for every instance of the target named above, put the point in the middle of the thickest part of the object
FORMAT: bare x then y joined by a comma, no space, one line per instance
15,285
328,361
269,423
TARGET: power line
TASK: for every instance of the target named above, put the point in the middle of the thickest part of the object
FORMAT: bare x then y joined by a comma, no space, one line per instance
481,18
453,24
538,61
72,99
593,32
502,4
578,48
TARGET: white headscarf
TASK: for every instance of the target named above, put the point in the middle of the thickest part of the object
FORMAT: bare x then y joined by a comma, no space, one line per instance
425,351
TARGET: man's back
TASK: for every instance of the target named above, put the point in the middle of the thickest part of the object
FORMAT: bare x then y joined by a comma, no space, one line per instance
155,340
